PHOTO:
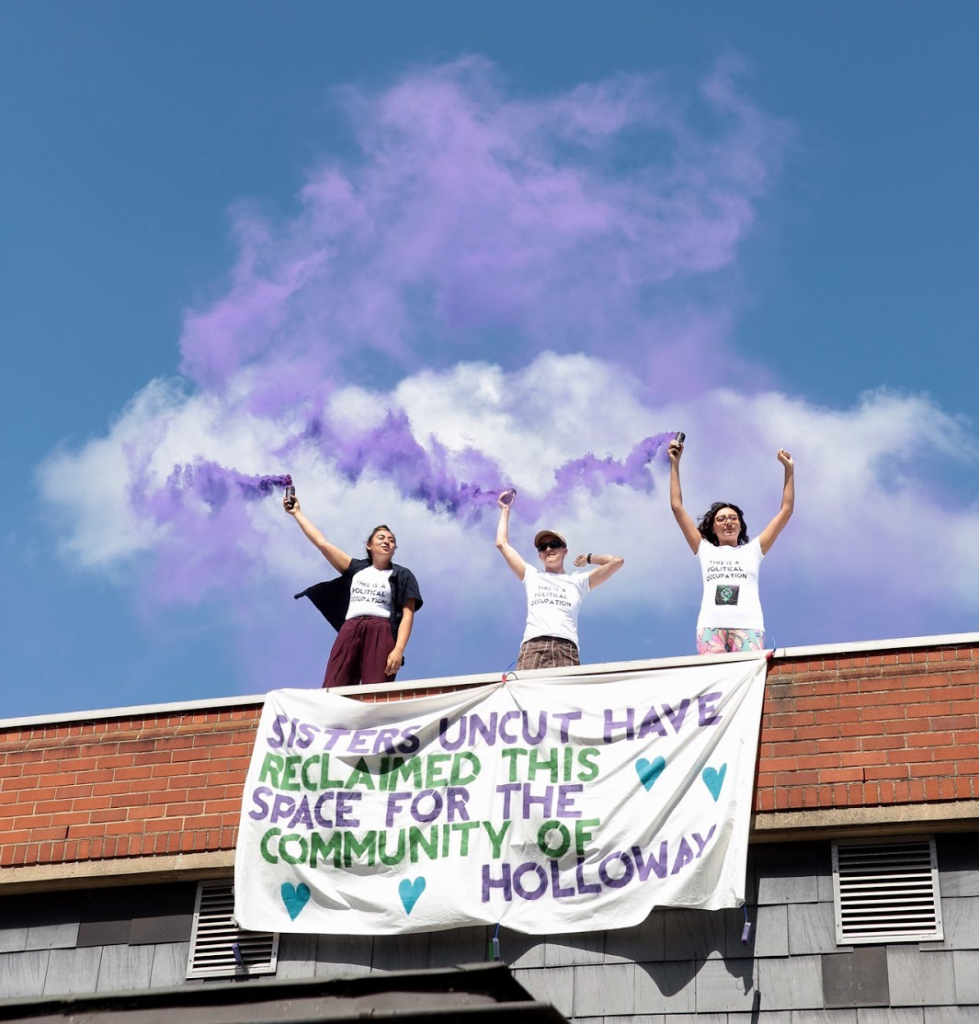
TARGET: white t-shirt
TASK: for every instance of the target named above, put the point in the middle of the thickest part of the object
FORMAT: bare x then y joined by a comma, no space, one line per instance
370,593
553,600
730,586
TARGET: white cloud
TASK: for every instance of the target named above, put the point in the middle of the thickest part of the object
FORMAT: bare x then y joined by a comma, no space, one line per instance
865,508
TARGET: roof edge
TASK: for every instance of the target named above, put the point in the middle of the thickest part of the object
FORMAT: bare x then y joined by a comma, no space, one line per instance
483,678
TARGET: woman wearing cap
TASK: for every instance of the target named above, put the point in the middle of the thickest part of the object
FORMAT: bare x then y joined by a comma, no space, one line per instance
372,606
730,613
553,597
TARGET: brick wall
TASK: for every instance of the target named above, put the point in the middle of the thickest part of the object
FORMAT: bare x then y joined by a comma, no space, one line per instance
123,787
870,729
840,730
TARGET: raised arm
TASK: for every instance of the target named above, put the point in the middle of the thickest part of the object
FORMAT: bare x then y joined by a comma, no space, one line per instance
777,525
604,565
687,526
510,555
340,560
397,655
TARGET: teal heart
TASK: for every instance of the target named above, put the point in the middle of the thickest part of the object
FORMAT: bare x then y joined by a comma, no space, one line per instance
650,771
410,892
295,897
714,779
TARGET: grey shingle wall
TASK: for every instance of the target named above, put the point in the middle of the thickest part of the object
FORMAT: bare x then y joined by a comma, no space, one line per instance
91,969
675,967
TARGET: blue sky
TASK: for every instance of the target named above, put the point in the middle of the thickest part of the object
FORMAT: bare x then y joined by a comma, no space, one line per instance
154,177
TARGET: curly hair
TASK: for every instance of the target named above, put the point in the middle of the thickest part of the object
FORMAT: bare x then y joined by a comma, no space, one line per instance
706,524
383,526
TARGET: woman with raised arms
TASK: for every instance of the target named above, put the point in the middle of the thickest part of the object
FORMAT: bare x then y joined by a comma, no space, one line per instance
372,605
730,617
550,638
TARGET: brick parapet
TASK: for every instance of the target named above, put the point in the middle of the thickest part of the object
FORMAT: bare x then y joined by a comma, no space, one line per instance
123,787
870,729
846,731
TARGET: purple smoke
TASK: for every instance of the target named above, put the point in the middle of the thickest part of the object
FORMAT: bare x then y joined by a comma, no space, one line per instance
211,483
474,221
390,451
461,485
470,223
596,474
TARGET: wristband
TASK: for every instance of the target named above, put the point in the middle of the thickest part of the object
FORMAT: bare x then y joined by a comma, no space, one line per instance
588,559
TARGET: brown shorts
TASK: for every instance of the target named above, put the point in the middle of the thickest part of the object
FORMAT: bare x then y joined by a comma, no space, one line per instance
547,652
360,652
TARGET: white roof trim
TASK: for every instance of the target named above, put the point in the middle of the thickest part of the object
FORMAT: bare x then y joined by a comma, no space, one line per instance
946,640
420,685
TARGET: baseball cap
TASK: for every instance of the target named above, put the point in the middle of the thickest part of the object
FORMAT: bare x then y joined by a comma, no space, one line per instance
541,534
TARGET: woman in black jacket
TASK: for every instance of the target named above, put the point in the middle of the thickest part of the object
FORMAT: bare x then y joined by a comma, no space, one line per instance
372,606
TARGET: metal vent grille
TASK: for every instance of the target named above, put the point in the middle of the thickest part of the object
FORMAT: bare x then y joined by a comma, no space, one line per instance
886,891
218,947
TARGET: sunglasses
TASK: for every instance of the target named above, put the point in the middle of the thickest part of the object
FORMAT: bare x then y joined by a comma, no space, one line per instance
553,545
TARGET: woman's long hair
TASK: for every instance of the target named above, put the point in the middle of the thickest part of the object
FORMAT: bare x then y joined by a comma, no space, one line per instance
706,525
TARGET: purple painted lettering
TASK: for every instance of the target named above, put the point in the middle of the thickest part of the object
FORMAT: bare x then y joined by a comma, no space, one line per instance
627,723
625,878
503,883
708,711
565,801
658,867
261,807
518,876
566,718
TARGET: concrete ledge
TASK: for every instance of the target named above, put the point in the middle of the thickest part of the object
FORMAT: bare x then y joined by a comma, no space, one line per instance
181,867
836,823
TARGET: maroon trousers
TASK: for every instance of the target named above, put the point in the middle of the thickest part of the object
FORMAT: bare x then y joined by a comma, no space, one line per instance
360,652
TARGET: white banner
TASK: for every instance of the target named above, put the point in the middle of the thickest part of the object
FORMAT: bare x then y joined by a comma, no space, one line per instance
550,806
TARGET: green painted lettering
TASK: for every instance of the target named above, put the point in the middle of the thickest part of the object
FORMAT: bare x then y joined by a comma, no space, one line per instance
465,827
433,770
409,771
266,853
583,833
513,755
271,769
537,764
308,783
352,848
325,781
462,762
563,845
382,853
416,839
323,848
289,774
360,776
496,838
585,759
298,858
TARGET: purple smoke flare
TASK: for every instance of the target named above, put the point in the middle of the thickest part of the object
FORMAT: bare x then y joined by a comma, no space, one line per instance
596,474
468,218
215,485
462,485
462,223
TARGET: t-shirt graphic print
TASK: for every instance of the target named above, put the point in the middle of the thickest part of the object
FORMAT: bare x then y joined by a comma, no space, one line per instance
730,576
370,593
553,600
